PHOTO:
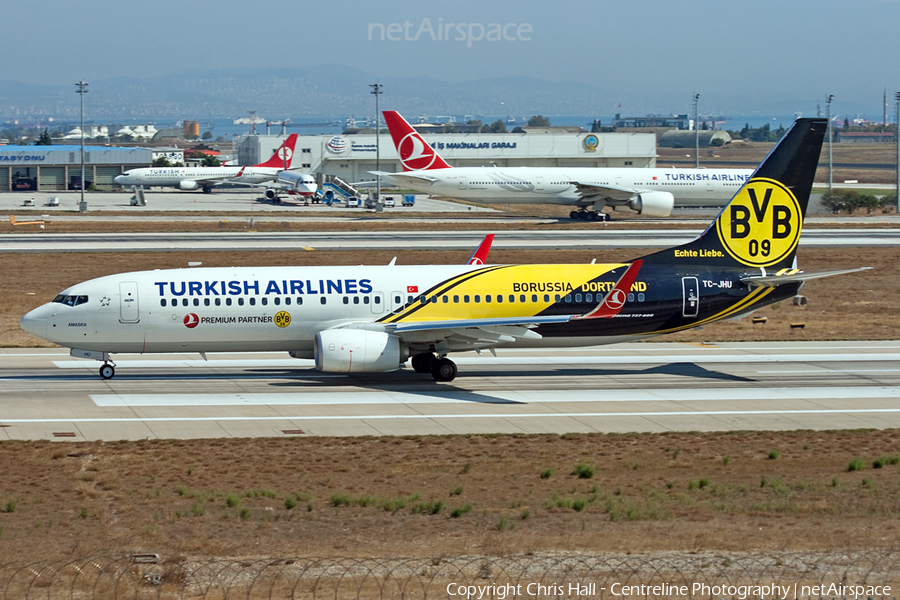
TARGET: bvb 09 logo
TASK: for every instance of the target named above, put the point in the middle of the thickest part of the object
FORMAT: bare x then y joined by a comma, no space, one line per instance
762,224
282,318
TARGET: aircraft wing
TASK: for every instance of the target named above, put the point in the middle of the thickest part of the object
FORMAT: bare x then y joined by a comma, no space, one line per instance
793,276
472,333
414,176
593,192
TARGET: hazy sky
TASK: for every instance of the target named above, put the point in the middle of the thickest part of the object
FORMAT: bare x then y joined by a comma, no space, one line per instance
725,50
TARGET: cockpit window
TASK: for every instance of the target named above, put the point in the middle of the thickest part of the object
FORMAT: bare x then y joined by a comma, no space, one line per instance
70,300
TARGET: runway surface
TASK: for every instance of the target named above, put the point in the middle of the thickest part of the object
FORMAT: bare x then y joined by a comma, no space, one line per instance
45,394
367,240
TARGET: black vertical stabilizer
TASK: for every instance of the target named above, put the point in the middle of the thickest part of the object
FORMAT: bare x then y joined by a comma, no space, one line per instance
760,227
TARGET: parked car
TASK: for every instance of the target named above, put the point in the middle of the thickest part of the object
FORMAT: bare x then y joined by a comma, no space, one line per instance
352,202
388,201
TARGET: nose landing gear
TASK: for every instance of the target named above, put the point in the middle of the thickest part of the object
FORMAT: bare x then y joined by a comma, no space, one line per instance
108,370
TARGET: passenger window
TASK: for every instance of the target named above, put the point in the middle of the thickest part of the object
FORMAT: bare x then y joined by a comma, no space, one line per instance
577,297
252,301
500,298
487,298
264,301
546,297
455,299
227,301
378,299
196,301
355,299
365,299
589,298
218,302
409,299
240,301
446,299
534,298
206,302
521,297
323,300
287,302
568,297
396,299
299,301
640,297
346,300
162,302
466,298
512,298
277,301
434,299
477,298
631,297
184,302
558,297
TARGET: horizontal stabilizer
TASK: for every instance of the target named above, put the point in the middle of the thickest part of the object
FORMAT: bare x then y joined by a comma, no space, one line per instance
793,276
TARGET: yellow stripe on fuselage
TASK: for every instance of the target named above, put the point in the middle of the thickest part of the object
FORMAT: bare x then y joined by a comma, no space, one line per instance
543,281
752,298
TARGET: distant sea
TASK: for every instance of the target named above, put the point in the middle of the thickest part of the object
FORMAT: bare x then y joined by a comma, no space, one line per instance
335,125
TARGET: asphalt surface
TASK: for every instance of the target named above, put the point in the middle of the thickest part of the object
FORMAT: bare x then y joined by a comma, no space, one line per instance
45,394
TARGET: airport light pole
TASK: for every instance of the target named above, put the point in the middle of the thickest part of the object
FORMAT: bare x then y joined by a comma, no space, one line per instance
81,91
697,130
830,135
376,90
897,137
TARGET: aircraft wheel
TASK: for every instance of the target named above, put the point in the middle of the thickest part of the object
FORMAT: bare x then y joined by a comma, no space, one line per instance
444,370
574,215
207,189
423,363
107,371
592,216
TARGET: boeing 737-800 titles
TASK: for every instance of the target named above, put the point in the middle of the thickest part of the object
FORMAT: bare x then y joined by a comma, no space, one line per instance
205,178
355,319
652,192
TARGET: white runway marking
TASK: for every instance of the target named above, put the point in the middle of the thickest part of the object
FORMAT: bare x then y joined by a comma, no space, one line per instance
497,398
687,413
508,360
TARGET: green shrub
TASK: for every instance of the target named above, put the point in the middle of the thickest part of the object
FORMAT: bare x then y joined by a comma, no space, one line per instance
232,500
456,491
546,473
856,465
430,508
773,454
583,471
290,502
460,511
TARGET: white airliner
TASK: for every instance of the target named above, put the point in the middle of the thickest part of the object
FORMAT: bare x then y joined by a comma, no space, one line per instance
364,319
205,178
652,192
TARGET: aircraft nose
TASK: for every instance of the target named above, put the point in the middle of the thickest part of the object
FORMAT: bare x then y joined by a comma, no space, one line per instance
120,179
35,322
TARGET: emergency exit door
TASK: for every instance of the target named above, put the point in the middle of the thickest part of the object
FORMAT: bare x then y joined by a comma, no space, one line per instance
691,290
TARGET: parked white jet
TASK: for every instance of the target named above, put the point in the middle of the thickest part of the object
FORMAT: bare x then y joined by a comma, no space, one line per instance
652,192
205,178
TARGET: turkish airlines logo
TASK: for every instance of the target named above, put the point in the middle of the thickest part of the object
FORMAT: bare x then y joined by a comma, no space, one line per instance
415,154
476,261
191,320
285,153
616,299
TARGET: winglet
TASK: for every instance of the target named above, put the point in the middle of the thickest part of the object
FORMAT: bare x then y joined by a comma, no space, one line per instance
481,253
614,301
415,153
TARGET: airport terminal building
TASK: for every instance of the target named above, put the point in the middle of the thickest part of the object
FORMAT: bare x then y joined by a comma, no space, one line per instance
352,156
58,168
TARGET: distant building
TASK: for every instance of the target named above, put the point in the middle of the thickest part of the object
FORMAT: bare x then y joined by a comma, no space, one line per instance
58,168
352,157
676,121
687,139
863,137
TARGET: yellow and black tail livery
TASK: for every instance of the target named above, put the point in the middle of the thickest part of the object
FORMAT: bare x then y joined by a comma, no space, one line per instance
760,227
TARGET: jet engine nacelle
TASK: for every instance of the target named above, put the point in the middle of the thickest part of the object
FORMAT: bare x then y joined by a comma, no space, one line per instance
188,185
270,193
358,351
654,204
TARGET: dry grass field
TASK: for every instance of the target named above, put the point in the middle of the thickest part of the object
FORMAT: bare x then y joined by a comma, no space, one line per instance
451,495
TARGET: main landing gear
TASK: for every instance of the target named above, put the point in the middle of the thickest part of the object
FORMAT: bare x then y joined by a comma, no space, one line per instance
588,215
442,369
108,370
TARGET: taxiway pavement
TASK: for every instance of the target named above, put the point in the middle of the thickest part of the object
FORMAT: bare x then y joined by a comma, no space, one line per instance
650,387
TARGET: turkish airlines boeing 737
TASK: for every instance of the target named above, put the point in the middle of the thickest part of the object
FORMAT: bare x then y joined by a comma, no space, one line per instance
205,178
652,192
364,319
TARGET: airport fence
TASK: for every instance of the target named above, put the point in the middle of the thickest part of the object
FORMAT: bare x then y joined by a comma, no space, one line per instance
700,576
